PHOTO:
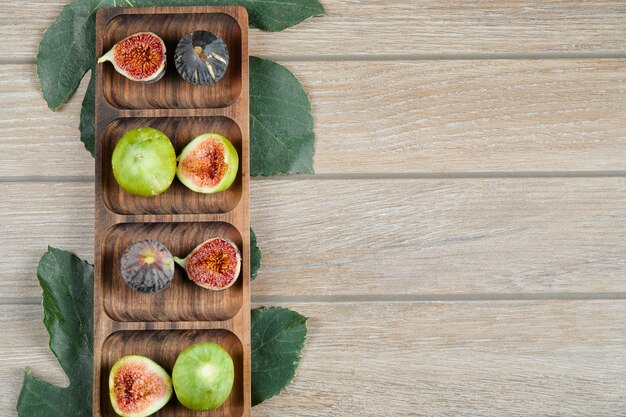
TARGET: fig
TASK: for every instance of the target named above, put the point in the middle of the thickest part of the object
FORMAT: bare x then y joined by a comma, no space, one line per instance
138,386
144,162
138,57
203,376
208,164
201,57
147,266
214,264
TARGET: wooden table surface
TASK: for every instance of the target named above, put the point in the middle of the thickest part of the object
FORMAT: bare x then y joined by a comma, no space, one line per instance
462,247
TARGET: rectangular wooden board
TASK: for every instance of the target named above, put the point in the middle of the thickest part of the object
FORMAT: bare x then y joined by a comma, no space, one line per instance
161,325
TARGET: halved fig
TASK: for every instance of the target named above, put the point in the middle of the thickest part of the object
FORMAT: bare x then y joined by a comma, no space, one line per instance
138,386
147,266
201,57
208,164
138,57
144,162
214,264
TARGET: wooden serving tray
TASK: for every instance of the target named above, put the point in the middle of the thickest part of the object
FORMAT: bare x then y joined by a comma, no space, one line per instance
161,325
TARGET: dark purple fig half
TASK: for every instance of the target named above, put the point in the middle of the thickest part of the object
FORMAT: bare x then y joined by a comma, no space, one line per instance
214,264
147,266
201,57
138,57
138,386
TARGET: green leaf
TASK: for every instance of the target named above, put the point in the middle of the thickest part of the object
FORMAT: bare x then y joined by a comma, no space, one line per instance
277,338
277,15
281,124
67,50
255,256
88,116
67,284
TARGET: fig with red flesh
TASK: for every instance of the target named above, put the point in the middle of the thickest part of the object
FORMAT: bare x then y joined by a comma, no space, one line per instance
208,164
138,386
138,57
214,264
147,266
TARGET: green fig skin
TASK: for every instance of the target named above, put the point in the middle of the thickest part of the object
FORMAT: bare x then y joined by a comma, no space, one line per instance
144,162
192,170
203,376
146,375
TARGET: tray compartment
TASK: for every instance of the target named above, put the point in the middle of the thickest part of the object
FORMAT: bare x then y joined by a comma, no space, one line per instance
182,300
172,92
163,346
178,198
159,326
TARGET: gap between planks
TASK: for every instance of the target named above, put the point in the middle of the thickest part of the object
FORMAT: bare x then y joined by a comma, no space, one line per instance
405,57
361,176
397,298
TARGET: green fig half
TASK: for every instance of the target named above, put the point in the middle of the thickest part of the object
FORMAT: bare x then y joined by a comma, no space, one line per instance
203,376
208,164
138,386
144,162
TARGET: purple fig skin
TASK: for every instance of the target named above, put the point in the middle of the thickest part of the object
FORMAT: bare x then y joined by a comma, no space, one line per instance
147,267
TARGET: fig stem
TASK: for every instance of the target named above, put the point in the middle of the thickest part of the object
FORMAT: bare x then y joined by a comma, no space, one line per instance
106,57
181,262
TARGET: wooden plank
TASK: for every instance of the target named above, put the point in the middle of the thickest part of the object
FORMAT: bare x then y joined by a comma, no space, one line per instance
394,117
377,237
28,347
376,27
481,358
59,214
35,140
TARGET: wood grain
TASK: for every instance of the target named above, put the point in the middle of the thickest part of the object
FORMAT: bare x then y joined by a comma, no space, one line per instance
377,237
385,103
172,91
164,346
403,27
182,299
395,117
183,313
31,131
177,198
482,358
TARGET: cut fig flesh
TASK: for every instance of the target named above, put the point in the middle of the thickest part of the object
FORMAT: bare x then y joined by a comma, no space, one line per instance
214,264
138,386
208,164
147,266
138,57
